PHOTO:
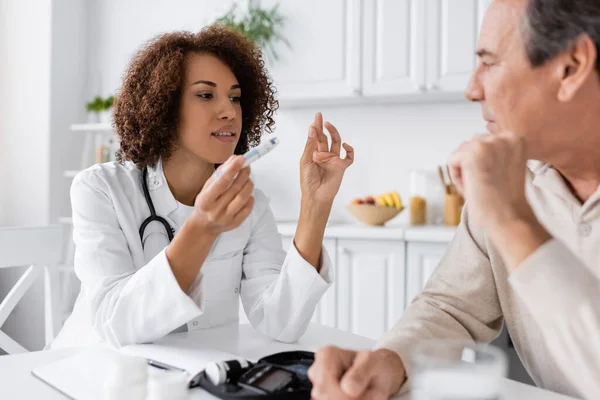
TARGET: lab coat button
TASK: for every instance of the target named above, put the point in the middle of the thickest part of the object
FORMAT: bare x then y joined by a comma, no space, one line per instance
237,290
585,229
195,323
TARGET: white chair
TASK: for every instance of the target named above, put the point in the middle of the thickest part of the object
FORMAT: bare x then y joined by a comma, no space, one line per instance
40,248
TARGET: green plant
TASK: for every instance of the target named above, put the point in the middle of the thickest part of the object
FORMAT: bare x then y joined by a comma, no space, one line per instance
261,25
99,104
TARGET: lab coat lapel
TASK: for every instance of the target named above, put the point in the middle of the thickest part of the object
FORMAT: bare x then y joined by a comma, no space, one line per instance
155,237
161,195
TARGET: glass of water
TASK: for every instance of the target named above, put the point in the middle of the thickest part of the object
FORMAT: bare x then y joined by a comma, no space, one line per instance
457,370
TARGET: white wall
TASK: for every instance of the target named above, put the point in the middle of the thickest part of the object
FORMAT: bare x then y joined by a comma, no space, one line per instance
389,141
24,101
121,27
25,29
42,91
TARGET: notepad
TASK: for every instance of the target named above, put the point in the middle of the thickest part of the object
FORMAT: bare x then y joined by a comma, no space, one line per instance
83,375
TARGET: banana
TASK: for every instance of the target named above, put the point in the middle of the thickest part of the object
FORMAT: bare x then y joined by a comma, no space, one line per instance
389,199
397,200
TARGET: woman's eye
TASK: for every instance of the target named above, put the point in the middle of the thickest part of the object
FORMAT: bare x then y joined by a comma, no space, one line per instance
206,96
235,99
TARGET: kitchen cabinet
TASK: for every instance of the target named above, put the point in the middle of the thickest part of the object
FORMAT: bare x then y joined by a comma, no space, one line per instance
370,285
325,313
452,32
393,51
354,51
323,61
421,260
368,294
377,272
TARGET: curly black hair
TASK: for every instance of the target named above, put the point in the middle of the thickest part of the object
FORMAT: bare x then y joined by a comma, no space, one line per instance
146,111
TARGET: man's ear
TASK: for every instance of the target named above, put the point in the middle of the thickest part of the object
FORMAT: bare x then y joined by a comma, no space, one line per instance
576,65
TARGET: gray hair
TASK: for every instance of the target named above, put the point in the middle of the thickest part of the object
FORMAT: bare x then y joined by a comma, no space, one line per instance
552,26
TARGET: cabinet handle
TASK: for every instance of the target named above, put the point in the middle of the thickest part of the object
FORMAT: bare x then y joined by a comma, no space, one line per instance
423,88
433,87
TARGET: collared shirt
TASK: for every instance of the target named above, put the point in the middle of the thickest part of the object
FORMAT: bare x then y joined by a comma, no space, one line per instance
551,303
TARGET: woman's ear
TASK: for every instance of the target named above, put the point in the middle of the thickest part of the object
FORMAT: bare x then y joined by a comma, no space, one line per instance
577,64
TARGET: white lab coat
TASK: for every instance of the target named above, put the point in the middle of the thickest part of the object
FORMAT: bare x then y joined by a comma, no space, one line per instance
129,293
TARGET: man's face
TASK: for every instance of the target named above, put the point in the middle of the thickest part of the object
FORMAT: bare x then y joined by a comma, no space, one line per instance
513,95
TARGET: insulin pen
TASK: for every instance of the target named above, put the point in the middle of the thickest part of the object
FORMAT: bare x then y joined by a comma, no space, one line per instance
256,153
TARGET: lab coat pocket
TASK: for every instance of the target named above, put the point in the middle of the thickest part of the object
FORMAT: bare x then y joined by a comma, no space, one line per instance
222,276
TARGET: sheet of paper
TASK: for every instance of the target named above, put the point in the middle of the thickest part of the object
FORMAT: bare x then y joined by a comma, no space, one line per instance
81,376
191,359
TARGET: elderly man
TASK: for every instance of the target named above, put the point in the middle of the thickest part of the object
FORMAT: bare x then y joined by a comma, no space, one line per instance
528,249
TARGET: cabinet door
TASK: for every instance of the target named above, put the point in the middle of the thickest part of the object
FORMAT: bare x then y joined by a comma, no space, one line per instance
370,285
422,259
452,32
393,47
323,61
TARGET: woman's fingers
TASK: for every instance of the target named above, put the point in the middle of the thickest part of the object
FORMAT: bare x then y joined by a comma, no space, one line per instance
216,186
334,159
322,142
238,183
244,212
349,159
311,145
336,139
240,200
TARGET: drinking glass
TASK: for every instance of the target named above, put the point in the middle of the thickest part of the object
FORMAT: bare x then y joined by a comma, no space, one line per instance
457,370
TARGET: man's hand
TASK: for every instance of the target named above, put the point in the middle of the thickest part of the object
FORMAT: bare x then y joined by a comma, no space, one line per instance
489,170
343,374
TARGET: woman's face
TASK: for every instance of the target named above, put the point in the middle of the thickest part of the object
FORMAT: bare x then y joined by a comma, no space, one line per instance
210,114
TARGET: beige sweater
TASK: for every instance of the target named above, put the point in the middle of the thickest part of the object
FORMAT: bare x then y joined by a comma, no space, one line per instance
551,304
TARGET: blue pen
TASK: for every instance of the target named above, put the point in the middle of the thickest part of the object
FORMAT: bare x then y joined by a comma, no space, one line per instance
256,153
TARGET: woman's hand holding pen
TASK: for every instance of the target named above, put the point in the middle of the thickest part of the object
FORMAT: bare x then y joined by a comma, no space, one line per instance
222,205
321,172
226,199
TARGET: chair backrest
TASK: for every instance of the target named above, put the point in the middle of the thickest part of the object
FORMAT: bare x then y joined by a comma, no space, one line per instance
31,245
41,249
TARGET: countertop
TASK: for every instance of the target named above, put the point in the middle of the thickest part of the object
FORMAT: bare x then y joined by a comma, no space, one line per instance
427,233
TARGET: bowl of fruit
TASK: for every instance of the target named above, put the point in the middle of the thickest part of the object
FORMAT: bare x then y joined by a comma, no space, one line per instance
376,210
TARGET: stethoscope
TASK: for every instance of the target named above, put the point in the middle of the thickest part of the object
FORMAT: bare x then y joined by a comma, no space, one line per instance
153,217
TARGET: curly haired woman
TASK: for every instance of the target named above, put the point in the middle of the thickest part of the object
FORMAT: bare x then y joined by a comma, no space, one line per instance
191,103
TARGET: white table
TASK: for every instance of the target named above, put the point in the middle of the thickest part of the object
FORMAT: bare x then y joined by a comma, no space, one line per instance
16,381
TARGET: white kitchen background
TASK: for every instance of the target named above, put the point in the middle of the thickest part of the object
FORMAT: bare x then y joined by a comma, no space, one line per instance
388,73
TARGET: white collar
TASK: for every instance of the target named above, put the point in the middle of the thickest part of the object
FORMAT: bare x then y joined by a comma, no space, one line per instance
163,199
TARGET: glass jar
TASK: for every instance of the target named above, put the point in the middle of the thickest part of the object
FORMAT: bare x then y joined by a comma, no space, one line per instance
418,198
